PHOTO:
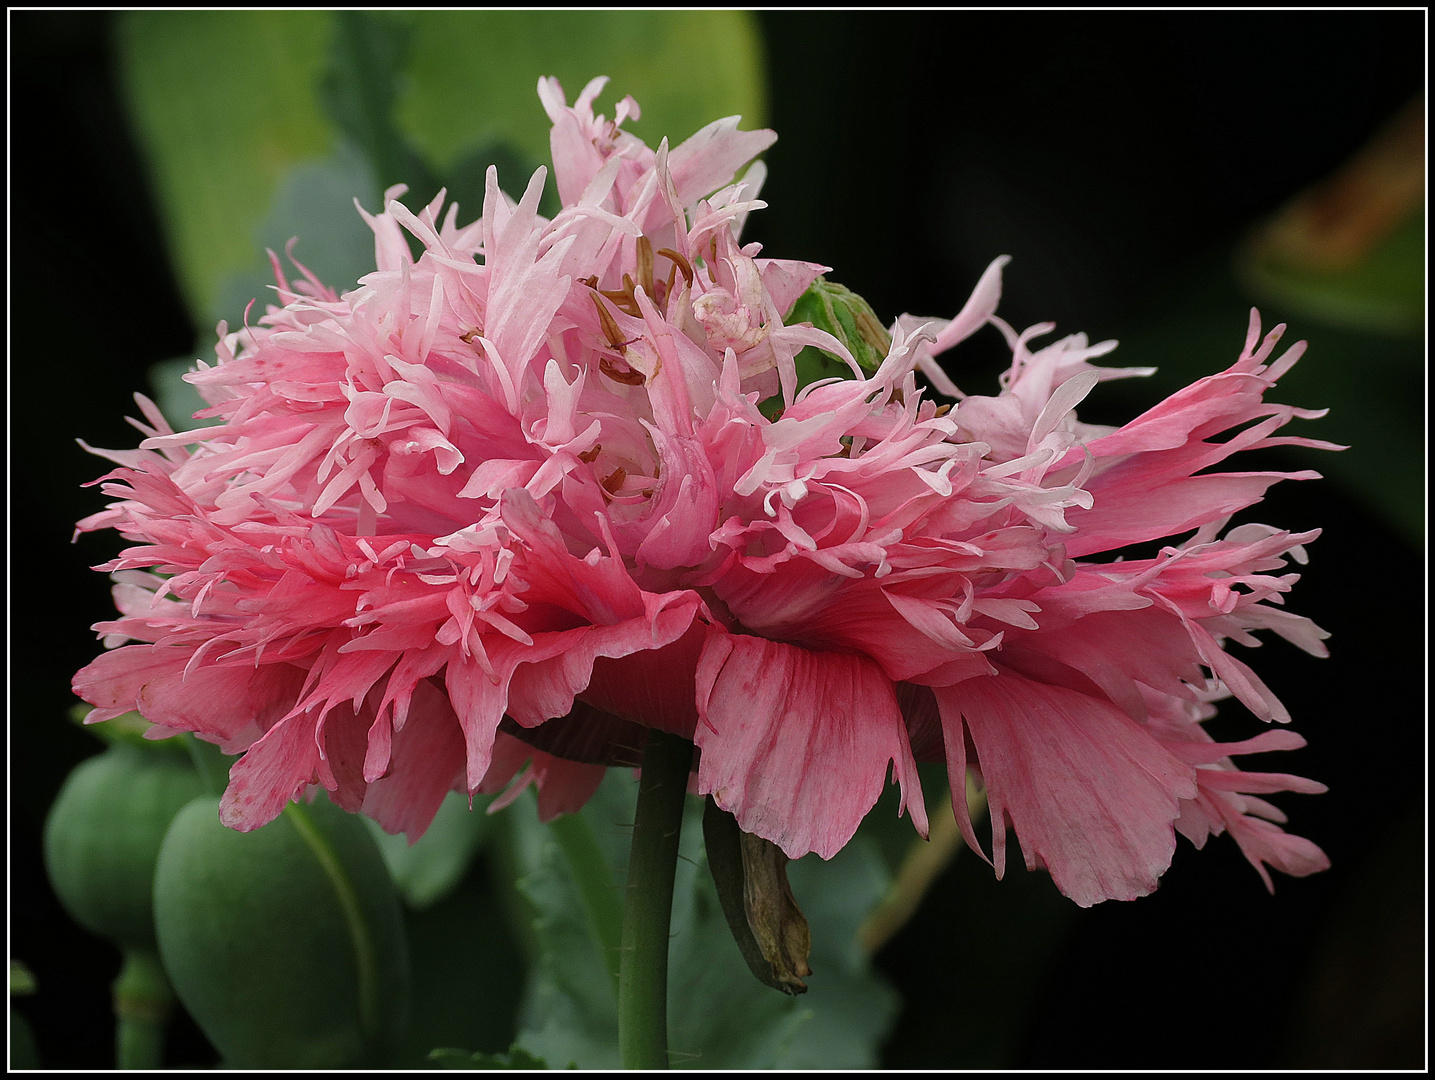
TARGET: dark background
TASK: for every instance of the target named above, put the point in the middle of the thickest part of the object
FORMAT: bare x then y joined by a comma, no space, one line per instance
1119,158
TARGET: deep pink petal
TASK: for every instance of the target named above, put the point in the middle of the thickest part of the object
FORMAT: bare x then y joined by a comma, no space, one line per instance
652,688
427,761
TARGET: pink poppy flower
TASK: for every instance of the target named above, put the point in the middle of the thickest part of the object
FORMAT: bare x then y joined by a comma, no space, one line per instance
514,503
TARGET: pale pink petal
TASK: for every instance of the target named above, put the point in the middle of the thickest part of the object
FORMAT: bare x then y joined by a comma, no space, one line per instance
711,157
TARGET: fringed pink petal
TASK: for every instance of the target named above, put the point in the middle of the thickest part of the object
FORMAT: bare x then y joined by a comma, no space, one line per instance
426,761
1091,795
272,772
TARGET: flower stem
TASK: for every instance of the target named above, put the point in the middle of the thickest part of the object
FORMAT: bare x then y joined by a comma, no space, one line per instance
643,973
143,1003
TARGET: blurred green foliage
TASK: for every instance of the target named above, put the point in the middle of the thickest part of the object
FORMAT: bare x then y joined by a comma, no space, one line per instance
1382,294
719,1016
245,115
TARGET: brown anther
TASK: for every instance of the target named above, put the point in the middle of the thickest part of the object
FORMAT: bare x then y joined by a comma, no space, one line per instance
589,456
614,480
623,299
609,324
645,264
679,262
591,281
627,378
668,287
942,410
467,338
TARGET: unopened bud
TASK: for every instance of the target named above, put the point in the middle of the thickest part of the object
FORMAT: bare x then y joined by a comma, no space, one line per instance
847,317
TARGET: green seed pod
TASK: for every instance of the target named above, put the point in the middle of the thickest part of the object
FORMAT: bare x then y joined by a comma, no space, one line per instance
285,944
847,317
103,836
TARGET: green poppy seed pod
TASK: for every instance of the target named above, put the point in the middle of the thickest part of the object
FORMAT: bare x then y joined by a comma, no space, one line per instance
847,317
286,944
103,836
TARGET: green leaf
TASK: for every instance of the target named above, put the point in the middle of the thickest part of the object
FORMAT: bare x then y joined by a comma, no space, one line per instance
1373,386
685,68
22,982
177,399
1383,293
425,872
358,90
224,104
313,204
235,109
1349,251
589,870
23,1052
468,971
570,1011
515,1058
127,728
719,1016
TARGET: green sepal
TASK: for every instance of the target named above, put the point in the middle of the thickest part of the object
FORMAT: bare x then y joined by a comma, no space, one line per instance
103,837
286,944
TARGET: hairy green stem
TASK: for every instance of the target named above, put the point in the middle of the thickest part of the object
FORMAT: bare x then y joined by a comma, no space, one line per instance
143,1004
643,972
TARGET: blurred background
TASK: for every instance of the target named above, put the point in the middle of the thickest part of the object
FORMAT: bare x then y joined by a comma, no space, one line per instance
1152,175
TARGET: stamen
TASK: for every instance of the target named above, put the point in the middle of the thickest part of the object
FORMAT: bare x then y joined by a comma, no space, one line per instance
679,262
609,324
645,264
627,378
615,480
